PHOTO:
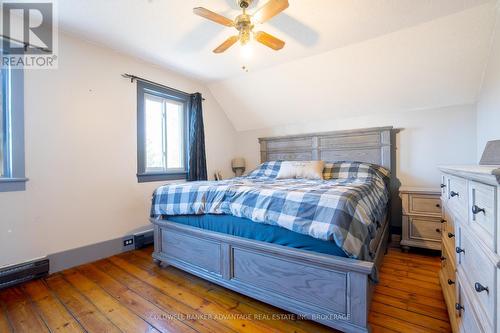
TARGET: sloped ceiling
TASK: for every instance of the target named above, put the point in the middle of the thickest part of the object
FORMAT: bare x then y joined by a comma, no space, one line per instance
166,31
342,57
434,64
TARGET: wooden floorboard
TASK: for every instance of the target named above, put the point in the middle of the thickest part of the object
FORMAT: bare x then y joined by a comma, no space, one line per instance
21,312
91,319
142,307
4,320
53,312
128,293
171,305
118,314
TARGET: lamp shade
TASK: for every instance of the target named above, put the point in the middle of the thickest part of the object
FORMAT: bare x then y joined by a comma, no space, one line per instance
238,162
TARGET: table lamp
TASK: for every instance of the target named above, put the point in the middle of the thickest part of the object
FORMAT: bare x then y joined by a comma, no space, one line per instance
238,165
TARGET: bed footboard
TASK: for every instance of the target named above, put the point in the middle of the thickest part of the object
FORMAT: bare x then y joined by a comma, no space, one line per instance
331,290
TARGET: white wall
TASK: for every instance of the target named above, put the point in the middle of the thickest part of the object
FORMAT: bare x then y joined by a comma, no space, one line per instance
488,107
80,125
428,138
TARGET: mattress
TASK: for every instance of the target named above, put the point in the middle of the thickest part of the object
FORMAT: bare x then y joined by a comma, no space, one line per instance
243,227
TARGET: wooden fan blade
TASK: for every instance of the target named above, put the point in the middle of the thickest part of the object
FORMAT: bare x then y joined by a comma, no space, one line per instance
227,44
269,10
208,14
269,40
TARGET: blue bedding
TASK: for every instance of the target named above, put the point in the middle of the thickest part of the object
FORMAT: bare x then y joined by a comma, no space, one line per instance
243,227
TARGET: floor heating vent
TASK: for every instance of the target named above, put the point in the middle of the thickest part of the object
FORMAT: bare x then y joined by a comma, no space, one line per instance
143,239
15,274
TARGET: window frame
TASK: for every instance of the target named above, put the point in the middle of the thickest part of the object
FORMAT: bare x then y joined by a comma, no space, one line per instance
145,88
14,178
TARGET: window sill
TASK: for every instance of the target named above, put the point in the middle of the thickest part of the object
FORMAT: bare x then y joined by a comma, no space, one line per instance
158,177
12,184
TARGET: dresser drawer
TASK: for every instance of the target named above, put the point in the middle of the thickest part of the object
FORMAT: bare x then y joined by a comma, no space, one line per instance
480,273
444,188
448,269
448,230
469,322
447,278
449,249
424,229
457,198
447,258
482,212
423,204
448,220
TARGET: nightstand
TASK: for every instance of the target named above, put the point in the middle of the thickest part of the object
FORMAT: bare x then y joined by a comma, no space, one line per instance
421,218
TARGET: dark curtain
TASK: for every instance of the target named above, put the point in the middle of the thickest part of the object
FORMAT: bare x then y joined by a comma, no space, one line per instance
197,169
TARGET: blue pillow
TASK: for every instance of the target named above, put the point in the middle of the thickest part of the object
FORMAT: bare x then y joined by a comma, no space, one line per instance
266,170
350,169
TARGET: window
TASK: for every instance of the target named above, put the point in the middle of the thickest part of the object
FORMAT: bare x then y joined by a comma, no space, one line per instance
2,128
12,176
161,133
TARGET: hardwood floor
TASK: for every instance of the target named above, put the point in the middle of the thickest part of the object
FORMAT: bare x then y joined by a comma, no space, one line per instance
128,293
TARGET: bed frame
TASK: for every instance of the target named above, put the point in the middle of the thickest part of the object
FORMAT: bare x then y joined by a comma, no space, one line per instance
332,290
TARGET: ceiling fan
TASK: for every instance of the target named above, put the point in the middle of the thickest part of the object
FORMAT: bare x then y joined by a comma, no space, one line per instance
244,23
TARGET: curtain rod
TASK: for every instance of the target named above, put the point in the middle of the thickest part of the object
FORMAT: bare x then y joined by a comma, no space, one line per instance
138,78
26,45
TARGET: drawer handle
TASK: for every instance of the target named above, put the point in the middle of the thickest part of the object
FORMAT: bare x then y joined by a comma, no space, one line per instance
438,205
443,221
459,250
443,185
477,210
480,288
438,230
459,306
454,194
450,235
442,258
450,282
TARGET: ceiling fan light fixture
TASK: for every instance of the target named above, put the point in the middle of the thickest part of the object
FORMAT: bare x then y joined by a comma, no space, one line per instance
244,23
246,51
245,37
244,3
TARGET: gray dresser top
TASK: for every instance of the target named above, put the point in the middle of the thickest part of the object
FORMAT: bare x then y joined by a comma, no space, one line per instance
483,172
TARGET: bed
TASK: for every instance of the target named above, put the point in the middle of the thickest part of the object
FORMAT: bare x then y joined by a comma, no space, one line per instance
301,274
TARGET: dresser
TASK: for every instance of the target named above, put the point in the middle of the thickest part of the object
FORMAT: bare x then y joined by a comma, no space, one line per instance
470,261
421,222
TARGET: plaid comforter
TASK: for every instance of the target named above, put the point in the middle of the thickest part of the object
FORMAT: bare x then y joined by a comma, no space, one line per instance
346,209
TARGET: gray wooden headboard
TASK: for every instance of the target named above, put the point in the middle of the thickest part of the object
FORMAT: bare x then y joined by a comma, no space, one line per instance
372,145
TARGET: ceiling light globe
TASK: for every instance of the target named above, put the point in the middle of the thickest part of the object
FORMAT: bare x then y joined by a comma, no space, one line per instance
246,51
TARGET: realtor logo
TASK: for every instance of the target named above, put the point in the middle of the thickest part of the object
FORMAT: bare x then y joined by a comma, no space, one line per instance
29,34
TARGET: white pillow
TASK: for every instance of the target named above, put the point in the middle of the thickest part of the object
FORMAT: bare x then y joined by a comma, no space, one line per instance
301,169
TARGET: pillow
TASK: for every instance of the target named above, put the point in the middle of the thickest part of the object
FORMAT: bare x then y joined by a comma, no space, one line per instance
350,169
328,171
301,169
266,170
